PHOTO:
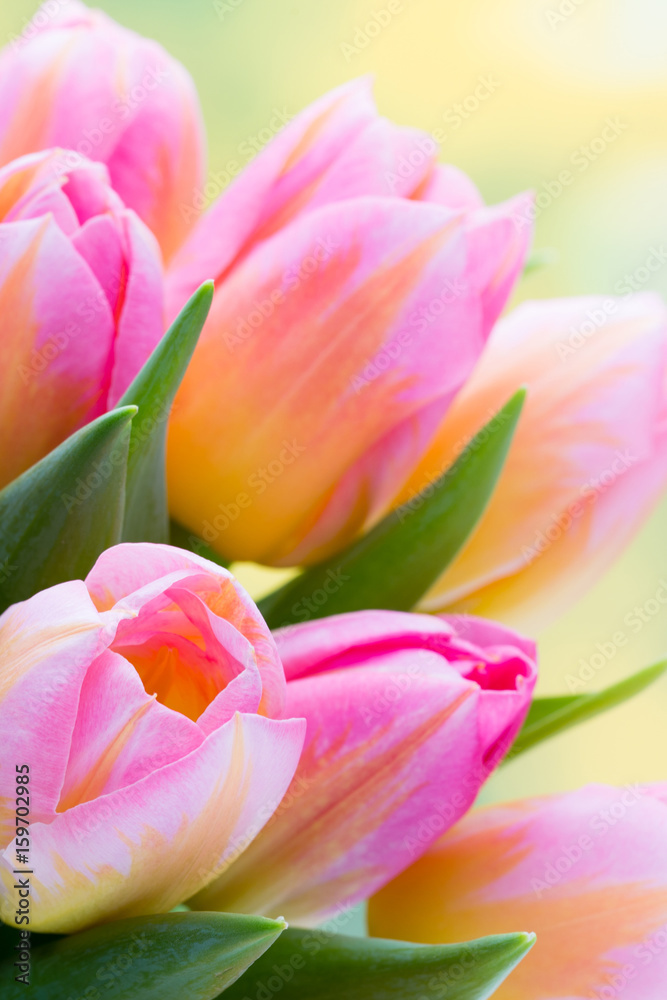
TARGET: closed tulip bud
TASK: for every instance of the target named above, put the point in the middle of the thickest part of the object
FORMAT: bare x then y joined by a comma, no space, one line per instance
82,301
77,79
407,715
587,464
356,282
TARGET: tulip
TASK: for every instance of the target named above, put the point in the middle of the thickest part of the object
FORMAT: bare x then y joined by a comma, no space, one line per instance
406,717
587,464
587,871
356,284
146,706
77,79
82,301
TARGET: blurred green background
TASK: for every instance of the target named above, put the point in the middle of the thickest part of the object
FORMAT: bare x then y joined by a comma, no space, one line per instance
560,69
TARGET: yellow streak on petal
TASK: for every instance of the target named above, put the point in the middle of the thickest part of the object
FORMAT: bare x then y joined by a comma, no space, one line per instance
15,186
164,870
93,784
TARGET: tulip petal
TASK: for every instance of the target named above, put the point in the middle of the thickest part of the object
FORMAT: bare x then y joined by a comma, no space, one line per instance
400,736
447,185
147,847
587,871
391,283
121,733
99,242
56,343
47,644
587,463
272,189
129,576
141,318
87,84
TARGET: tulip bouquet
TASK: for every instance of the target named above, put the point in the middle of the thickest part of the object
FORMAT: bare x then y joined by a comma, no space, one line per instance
315,373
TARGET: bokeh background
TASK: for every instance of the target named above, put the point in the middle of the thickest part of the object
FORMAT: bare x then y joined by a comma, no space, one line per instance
556,71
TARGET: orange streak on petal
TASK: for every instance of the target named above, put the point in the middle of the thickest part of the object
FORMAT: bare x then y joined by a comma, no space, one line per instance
94,783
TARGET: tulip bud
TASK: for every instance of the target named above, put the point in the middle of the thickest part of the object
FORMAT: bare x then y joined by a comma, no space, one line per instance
77,79
407,715
586,871
356,286
587,463
82,301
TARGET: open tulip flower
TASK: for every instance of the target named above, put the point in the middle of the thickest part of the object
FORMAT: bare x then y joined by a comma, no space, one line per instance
586,870
147,704
82,301
407,716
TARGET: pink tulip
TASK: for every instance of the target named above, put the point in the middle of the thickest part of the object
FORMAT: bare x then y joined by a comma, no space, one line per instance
77,79
147,704
407,715
587,871
587,464
357,282
81,296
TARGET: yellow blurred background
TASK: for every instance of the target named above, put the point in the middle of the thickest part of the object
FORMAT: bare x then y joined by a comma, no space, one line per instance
555,73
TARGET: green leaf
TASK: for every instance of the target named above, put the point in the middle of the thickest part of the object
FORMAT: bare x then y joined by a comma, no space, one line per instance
58,517
399,560
550,716
187,540
314,965
173,956
153,391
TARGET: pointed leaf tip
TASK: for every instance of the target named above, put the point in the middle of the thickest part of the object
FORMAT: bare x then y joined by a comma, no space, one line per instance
153,391
164,957
327,966
61,514
400,559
